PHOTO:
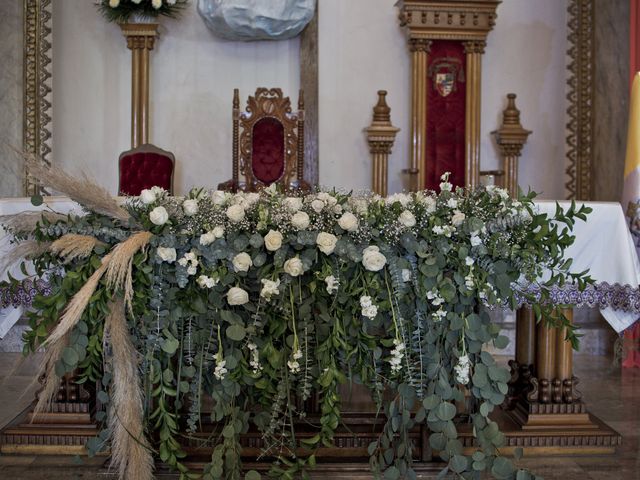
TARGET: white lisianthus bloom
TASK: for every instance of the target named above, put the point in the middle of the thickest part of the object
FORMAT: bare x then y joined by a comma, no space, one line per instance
406,275
469,261
293,364
167,254
370,312
317,205
402,198
445,186
457,218
293,204
218,231
159,216
114,3
294,267
220,371
192,269
235,213
269,288
255,357
397,354
360,205
452,203
218,197
429,203
147,196
326,242
273,240
407,219
332,284
372,259
156,4
190,207
207,238
237,296
206,282
349,222
462,370
300,220
475,240
365,301
242,262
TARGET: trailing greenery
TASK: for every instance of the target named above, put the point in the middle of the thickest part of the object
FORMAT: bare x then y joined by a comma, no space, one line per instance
260,301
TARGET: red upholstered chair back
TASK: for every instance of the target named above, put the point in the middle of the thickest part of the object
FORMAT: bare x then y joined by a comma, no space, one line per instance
144,167
268,143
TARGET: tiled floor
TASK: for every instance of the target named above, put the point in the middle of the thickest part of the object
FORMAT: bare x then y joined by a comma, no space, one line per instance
612,395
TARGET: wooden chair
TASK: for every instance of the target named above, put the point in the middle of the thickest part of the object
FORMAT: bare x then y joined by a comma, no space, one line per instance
270,147
143,167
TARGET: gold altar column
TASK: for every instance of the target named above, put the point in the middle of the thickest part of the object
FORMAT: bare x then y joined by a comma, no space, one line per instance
474,51
380,136
140,40
419,48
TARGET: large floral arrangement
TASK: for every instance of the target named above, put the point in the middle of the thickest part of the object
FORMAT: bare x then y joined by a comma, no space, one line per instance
121,11
260,301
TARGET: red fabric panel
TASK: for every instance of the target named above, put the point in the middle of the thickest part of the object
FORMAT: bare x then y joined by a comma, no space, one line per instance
142,170
445,115
631,346
267,156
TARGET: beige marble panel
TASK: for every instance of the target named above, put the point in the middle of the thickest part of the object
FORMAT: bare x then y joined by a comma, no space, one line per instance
611,102
10,96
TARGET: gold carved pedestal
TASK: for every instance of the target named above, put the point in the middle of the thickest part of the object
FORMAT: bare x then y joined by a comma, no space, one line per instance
380,136
141,39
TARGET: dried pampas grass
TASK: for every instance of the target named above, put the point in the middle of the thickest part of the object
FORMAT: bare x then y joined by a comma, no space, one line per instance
73,246
82,190
130,450
47,371
25,222
23,250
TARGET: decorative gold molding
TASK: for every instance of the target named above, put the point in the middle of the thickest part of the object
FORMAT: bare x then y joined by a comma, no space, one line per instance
580,97
36,129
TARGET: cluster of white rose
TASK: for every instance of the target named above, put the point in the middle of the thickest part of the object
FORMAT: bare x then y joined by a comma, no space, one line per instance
397,354
462,370
157,4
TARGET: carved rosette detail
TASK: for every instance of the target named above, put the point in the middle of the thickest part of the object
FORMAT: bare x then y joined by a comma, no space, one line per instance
420,45
37,85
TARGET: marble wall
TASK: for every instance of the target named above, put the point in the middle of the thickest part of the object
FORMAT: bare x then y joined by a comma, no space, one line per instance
611,98
10,96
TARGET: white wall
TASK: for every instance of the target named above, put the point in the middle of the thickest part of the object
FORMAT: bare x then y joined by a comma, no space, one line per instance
361,50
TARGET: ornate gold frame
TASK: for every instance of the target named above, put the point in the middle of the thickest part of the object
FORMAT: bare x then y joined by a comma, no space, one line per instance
581,93
36,126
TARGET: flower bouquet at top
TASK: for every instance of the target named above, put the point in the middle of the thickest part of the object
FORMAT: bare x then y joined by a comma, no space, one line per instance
123,11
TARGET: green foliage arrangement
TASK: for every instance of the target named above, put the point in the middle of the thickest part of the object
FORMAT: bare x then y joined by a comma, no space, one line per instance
260,301
121,11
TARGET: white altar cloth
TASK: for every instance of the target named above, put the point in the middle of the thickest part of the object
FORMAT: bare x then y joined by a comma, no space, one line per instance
603,245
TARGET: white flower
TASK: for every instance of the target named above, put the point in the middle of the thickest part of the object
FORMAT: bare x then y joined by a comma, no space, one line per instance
255,357
159,216
273,240
439,315
294,267
237,296
192,270
429,203
235,213
242,262
317,205
397,354
452,203
218,231
219,197
445,230
469,261
372,259
326,242
293,204
332,284
359,205
156,4
457,218
300,220
269,288
475,240
206,282
136,1
190,207
147,196
348,221
183,262
207,238
365,301
167,254
462,370
370,312
402,198
220,371
407,219
445,186
406,275
469,281
114,3
337,209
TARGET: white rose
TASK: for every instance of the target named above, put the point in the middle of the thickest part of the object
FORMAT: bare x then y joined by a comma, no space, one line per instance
190,207
167,254
237,296
294,267
407,219
273,240
457,218
235,213
300,220
317,205
337,209
324,196
349,222
293,204
218,231
372,259
159,216
326,242
242,262
207,238
218,197
147,196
